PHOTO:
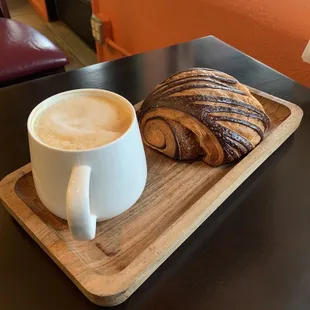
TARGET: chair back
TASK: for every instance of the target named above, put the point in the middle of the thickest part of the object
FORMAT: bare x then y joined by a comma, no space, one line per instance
4,10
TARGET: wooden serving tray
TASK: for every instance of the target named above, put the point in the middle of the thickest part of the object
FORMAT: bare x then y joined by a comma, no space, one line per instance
129,248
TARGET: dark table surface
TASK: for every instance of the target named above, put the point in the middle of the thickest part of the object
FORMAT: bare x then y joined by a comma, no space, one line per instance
252,253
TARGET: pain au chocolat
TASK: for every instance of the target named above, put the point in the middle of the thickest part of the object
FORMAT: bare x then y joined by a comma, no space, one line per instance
202,113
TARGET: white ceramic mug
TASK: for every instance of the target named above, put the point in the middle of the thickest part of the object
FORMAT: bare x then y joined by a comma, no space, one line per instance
86,186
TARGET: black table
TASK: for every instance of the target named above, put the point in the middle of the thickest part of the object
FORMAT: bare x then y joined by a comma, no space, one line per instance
252,253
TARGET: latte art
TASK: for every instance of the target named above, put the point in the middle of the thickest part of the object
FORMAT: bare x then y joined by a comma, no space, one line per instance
81,122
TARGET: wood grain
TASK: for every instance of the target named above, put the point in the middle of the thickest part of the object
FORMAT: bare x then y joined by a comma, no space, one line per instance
129,248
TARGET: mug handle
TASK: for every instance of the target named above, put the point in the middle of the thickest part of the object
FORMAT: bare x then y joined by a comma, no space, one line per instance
81,222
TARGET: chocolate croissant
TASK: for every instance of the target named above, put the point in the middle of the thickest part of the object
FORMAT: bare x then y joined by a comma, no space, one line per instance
202,113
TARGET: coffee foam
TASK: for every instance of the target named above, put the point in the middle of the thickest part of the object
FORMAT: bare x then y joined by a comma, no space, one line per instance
82,122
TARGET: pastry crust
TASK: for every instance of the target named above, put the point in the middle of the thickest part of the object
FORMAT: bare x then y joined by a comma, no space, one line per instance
202,113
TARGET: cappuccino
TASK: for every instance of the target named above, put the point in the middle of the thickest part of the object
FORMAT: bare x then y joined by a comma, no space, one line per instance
82,122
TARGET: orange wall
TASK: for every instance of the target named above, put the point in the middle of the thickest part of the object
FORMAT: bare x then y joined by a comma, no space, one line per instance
273,31
40,7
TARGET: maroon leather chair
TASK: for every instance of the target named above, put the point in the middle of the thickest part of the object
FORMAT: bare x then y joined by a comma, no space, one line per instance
25,54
